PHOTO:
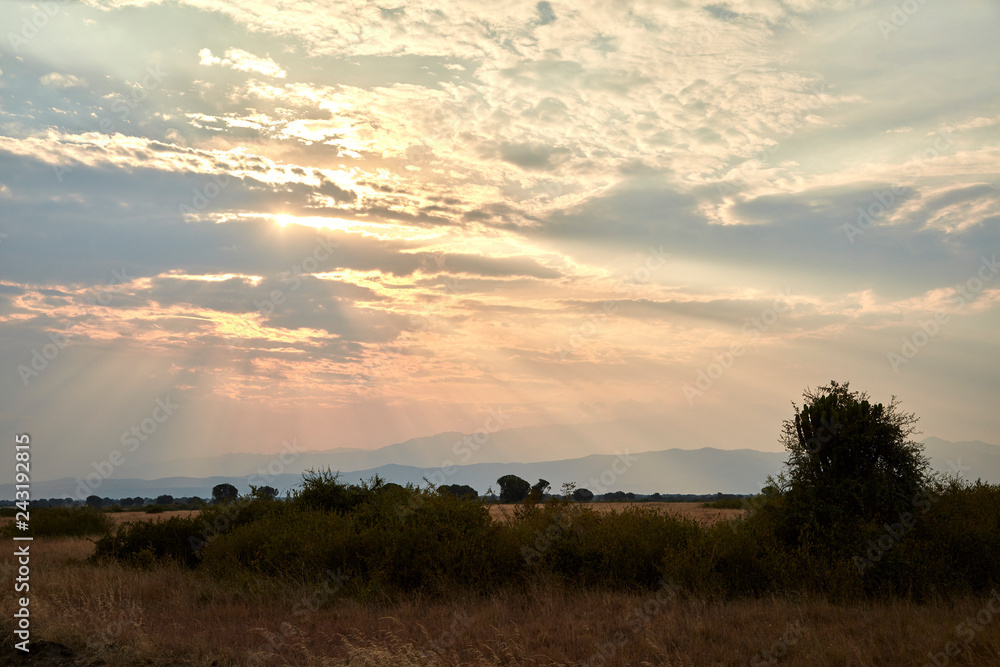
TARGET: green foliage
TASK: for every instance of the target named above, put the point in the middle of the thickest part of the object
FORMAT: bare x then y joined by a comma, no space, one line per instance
323,490
384,538
850,462
583,495
224,493
460,490
63,522
513,489
263,492
143,543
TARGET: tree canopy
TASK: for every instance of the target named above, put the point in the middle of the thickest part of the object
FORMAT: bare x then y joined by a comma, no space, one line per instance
851,459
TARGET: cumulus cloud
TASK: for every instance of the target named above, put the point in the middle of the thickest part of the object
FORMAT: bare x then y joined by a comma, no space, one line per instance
537,203
242,61
57,80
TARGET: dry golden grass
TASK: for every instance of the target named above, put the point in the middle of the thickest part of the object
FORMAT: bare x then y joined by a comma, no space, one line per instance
694,511
170,616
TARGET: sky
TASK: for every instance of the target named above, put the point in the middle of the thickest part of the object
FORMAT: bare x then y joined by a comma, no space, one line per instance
226,225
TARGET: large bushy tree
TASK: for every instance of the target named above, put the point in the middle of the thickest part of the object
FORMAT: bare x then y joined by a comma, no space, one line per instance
851,460
224,493
460,491
513,489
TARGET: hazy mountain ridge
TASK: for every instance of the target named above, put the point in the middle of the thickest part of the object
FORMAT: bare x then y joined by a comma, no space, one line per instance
528,444
706,470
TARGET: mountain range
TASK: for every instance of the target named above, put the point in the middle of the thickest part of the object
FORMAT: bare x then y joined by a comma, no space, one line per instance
455,458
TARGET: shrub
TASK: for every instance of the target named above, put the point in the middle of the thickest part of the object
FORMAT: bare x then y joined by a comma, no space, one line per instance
323,490
224,493
513,489
146,542
64,522
850,460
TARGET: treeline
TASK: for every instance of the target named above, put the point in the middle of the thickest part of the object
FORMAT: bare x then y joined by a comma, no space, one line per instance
856,514
124,503
383,539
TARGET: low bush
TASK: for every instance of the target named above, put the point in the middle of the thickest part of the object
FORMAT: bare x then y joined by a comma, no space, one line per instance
144,543
384,538
63,522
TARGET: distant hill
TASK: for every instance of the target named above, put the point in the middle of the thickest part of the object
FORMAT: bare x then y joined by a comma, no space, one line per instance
699,471
531,444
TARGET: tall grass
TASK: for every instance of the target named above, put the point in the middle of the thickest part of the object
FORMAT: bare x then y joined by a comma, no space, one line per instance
384,540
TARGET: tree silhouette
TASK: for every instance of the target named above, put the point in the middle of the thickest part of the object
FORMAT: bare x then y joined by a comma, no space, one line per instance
851,460
538,490
513,489
460,490
224,493
264,492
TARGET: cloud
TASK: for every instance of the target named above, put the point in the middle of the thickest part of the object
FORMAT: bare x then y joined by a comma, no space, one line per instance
243,61
57,80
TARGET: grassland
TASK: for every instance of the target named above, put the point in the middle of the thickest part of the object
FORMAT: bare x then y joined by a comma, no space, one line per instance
108,613
169,615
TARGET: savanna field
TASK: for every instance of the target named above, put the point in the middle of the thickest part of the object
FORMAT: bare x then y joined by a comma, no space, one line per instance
379,574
